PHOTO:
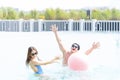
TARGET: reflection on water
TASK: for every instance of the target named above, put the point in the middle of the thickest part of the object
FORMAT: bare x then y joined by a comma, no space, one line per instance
103,62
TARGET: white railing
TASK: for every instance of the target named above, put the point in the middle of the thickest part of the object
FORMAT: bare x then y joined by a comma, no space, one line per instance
63,25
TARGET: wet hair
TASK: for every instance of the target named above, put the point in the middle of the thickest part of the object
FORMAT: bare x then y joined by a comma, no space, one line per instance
78,46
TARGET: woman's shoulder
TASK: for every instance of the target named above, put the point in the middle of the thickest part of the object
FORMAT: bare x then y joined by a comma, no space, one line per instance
33,61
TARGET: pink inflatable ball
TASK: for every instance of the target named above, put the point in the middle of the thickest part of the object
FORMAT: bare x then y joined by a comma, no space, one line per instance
76,63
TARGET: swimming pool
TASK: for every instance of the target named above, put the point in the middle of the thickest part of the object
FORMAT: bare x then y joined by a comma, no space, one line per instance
103,62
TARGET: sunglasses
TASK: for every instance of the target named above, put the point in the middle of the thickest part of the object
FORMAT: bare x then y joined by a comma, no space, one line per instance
74,46
33,54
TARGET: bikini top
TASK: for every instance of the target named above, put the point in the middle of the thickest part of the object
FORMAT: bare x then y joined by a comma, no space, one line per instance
40,71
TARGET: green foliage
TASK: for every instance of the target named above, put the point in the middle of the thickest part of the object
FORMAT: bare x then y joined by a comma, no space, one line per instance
11,13
59,14
50,14
1,14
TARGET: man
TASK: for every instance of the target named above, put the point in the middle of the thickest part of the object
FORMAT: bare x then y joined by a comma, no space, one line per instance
74,48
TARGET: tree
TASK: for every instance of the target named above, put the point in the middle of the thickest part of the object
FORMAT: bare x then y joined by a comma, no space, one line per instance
50,14
1,13
115,14
11,13
21,15
34,14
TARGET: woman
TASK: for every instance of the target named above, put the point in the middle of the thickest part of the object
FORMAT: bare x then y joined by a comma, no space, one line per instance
35,63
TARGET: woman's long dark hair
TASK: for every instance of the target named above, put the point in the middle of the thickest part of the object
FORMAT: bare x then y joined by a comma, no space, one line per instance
29,54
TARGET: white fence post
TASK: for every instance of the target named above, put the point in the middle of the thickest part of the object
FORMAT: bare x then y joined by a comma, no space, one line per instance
31,25
81,24
70,24
93,24
0,26
40,24
20,25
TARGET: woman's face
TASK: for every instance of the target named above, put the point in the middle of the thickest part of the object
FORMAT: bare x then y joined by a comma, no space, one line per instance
33,53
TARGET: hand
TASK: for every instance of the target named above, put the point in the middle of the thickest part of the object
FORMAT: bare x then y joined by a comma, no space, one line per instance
95,45
54,28
57,57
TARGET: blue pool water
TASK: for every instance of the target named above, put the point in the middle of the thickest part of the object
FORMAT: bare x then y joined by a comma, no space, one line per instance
103,62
